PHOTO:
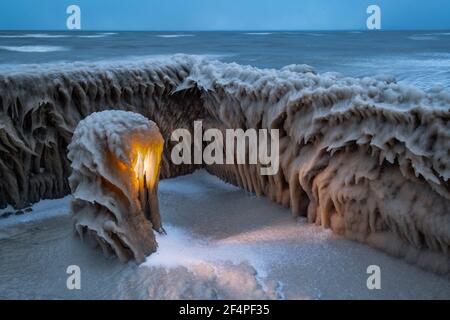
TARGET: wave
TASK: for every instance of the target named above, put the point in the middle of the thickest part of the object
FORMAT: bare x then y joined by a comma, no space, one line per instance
425,71
367,158
129,62
174,35
258,33
56,36
438,34
35,35
423,38
93,36
97,35
316,34
37,49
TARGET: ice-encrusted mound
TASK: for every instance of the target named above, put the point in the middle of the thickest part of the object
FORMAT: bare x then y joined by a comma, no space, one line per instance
367,157
115,158
204,281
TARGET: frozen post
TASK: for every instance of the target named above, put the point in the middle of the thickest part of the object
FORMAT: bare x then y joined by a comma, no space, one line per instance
115,158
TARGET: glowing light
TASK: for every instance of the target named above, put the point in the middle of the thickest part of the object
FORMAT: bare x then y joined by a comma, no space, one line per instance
147,162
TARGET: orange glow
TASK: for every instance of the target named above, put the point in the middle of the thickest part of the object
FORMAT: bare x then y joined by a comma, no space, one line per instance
146,163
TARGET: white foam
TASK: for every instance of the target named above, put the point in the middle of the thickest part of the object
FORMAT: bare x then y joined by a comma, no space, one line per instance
37,49
258,33
122,62
51,36
422,38
98,35
438,34
34,35
174,35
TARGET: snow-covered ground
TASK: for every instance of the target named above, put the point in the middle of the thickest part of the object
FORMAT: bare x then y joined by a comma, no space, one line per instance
222,243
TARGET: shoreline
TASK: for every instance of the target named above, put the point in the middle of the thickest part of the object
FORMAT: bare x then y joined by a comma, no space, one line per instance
234,232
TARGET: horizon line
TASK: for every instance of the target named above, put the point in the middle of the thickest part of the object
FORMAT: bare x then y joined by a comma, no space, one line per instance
224,30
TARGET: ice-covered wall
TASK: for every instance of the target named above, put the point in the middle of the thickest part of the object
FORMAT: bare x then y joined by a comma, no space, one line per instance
367,157
115,159
40,109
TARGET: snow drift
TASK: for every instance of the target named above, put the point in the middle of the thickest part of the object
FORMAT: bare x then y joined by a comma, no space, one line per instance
368,158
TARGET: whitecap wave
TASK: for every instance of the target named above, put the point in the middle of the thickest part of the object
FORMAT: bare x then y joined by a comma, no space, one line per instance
55,36
438,34
423,38
98,35
174,35
258,33
97,64
37,49
34,35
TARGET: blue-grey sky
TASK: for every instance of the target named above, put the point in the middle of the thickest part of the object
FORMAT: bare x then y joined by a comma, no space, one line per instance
223,14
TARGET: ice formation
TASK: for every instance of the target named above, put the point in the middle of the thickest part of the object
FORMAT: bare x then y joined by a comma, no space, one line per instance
205,281
115,158
368,158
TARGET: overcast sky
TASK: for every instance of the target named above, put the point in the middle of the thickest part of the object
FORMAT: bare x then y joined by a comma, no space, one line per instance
224,14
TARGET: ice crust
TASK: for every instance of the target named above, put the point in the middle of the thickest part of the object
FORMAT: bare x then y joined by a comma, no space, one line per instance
368,158
114,188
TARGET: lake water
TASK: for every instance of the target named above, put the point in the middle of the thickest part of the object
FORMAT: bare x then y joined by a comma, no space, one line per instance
420,58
